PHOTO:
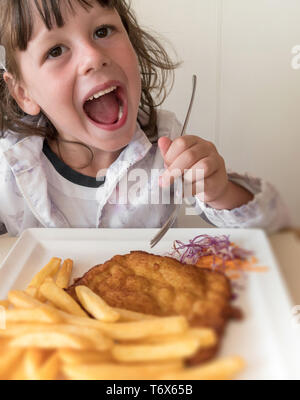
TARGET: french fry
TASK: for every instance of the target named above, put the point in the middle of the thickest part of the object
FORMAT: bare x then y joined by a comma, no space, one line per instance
50,369
50,340
32,291
32,362
9,358
39,314
14,329
221,369
18,372
132,330
3,342
161,365
20,329
22,299
84,321
49,279
128,316
77,357
108,328
95,337
146,328
39,295
166,351
61,299
95,305
4,303
49,270
35,293
206,337
64,274
116,372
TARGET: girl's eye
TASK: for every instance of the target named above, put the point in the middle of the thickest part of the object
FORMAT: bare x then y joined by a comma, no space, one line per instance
55,52
104,31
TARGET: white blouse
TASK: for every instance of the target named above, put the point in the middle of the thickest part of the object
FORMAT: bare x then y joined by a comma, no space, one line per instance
34,194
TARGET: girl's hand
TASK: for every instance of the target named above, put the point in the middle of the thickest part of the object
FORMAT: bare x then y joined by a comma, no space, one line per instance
193,153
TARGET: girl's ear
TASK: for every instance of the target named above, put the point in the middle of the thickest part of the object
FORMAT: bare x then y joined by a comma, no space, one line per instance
19,93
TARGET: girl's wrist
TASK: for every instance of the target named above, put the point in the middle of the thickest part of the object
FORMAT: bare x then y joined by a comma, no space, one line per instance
234,196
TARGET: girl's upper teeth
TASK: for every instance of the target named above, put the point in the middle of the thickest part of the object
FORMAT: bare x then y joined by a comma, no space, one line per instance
102,92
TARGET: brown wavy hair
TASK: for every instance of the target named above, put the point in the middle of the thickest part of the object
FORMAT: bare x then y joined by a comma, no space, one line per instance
16,27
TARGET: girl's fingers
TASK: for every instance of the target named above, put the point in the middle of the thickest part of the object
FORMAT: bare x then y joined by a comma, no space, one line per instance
202,169
212,188
184,161
164,143
178,146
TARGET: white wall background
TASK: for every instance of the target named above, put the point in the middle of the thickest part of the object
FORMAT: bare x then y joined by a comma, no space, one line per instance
248,97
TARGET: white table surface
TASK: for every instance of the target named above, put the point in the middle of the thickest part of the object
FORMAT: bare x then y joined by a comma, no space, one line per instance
286,247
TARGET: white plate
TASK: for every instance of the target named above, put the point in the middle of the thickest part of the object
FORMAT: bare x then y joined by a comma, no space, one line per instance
266,337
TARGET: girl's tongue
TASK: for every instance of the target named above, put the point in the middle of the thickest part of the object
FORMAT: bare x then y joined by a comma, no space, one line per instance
104,110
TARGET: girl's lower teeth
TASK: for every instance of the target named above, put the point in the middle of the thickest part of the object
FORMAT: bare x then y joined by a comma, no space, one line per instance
120,113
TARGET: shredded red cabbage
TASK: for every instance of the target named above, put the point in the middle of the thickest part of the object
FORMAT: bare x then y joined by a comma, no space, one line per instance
206,245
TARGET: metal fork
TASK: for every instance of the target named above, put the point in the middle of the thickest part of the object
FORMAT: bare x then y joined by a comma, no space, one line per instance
170,221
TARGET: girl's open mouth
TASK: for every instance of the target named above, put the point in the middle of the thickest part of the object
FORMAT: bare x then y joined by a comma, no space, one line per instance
107,109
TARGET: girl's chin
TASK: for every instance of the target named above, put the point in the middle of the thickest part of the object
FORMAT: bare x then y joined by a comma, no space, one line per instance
111,141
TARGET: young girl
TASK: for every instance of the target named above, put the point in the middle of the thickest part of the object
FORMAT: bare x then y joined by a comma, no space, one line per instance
77,104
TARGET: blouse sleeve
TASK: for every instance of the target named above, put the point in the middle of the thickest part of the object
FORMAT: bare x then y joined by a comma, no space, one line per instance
266,211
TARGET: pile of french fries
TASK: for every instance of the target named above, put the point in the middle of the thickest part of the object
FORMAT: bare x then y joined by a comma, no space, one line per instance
48,336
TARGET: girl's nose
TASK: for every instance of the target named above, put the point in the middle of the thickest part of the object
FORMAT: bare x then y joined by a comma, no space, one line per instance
92,58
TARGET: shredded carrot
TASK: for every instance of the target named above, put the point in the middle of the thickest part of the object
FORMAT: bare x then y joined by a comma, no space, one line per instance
233,276
232,268
217,253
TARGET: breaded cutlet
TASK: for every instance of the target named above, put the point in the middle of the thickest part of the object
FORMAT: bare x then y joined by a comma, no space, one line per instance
163,286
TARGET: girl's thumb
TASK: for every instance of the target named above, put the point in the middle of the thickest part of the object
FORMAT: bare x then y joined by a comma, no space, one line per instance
164,143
